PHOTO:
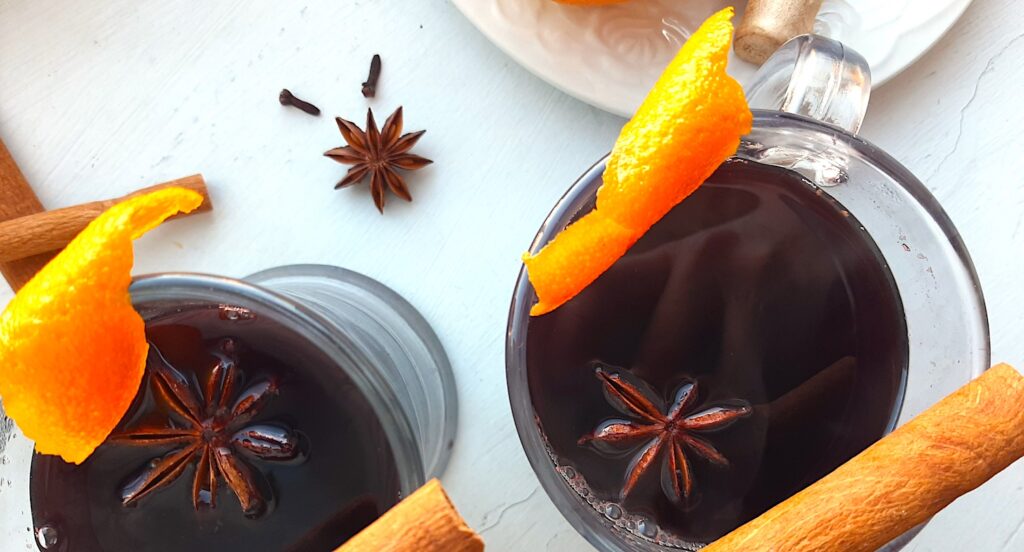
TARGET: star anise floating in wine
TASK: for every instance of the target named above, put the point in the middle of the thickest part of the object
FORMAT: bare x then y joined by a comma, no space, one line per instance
669,435
379,154
210,427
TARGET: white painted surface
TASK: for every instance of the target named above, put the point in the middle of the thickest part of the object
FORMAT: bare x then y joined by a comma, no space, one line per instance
99,98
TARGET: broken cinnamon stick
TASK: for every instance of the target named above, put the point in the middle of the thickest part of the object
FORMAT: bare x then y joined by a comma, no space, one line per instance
426,521
50,231
17,199
903,479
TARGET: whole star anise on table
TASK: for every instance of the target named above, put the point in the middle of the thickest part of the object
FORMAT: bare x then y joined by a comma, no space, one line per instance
668,434
379,154
210,427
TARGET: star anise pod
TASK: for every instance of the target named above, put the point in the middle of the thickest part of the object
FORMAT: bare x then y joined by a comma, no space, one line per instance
668,434
211,428
379,154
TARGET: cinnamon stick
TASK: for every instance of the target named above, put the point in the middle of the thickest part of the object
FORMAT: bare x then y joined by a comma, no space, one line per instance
49,231
903,479
17,199
426,521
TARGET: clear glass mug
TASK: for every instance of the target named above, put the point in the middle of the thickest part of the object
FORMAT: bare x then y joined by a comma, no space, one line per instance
354,323
809,99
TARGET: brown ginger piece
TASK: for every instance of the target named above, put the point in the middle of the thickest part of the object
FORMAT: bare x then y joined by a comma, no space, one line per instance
426,521
768,24
903,479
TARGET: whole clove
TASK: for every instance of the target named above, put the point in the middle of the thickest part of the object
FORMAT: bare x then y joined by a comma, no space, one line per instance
370,86
287,98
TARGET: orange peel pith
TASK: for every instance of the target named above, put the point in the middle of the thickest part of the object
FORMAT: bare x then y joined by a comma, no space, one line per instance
688,125
72,348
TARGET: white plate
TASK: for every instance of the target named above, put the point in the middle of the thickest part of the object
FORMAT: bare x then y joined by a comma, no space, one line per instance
610,56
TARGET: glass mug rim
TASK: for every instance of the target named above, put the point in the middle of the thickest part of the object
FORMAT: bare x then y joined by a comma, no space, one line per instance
334,342
314,328
417,453
578,198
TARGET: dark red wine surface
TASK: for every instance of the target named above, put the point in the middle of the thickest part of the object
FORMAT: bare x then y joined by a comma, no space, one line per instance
344,477
761,289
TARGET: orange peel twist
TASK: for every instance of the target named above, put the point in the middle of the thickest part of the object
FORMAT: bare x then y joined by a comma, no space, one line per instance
688,125
72,348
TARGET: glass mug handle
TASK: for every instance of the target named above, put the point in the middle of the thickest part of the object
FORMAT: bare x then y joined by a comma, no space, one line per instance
816,77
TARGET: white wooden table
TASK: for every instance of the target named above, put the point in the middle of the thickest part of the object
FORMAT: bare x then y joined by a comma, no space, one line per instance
99,98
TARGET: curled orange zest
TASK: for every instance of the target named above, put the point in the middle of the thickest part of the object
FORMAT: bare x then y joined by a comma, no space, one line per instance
688,125
72,348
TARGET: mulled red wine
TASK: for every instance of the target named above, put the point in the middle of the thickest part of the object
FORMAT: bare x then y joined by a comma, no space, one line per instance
751,342
240,438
